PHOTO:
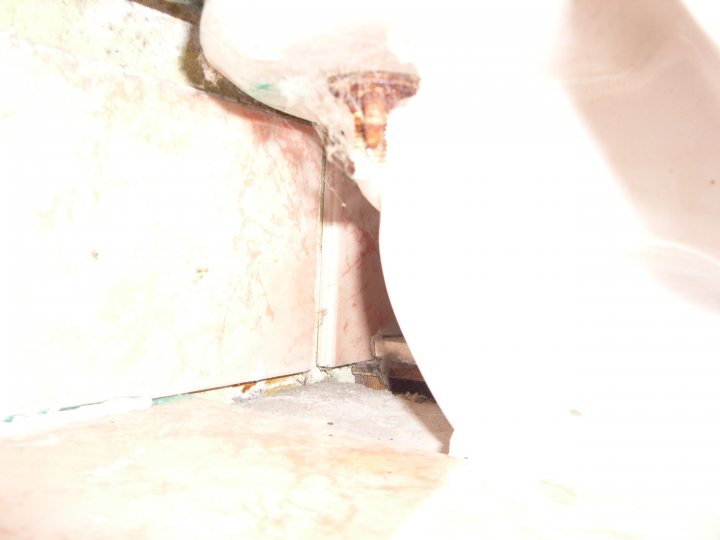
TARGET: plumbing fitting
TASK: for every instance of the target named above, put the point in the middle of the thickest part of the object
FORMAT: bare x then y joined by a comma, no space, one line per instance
370,96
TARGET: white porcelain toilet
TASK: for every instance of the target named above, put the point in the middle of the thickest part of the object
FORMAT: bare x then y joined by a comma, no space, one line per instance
550,218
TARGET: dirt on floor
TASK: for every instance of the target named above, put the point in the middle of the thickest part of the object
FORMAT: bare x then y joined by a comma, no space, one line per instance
406,421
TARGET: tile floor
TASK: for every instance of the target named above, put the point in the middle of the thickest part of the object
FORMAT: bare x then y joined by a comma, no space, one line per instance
196,468
325,461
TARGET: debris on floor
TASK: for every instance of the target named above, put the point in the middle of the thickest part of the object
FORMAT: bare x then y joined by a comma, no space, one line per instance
408,421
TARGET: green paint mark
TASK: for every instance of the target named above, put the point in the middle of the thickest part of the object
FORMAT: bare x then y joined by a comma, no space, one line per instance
263,86
168,399
75,407
13,417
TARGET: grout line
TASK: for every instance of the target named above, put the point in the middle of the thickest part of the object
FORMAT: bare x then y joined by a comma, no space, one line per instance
319,273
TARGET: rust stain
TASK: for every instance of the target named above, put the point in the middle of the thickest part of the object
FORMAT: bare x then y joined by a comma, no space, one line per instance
200,274
370,96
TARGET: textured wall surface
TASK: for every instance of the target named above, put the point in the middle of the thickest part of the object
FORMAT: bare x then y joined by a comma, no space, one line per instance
131,35
162,240
354,304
